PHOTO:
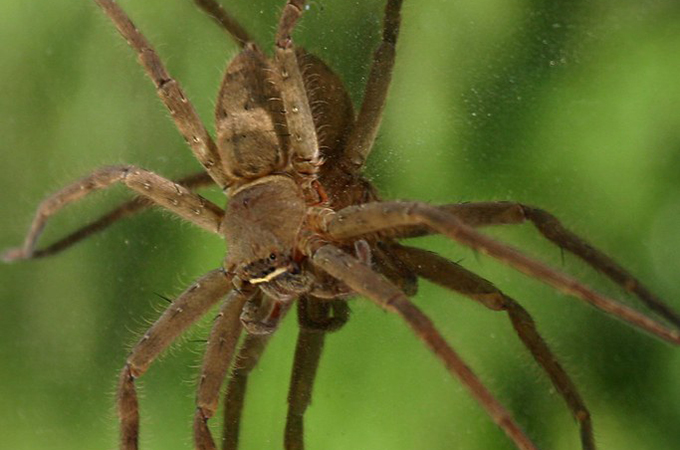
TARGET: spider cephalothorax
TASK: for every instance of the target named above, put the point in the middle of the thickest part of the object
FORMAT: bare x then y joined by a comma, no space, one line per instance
302,224
265,218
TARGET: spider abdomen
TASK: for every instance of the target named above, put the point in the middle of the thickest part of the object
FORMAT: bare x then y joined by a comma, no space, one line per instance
250,135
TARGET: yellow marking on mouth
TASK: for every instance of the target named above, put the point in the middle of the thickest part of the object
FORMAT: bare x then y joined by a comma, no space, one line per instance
269,277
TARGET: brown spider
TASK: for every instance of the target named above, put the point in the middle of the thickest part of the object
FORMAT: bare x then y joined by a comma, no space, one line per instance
302,223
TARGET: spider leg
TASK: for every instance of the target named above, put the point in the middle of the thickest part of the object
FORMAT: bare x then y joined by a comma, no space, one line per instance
184,311
368,121
159,190
510,213
551,228
304,146
248,356
123,210
221,346
455,277
182,111
291,13
259,325
329,102
364,281
230,25
371,217
477,214
315,321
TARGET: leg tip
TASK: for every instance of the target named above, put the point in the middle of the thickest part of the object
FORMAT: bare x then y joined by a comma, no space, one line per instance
14,254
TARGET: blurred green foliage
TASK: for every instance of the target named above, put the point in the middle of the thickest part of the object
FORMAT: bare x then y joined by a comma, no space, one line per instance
570,105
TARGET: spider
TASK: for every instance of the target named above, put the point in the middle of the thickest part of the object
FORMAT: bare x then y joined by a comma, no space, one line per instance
303,223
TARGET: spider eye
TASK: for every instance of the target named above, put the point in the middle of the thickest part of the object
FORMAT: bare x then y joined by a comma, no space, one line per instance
272,256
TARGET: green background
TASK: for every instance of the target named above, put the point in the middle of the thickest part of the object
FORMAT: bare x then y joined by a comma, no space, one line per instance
572,106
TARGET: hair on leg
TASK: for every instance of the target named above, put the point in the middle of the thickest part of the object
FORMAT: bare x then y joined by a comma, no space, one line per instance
219,352
455,277
479,214
182,111
160,191
364,281
304,145
365,130
355,221
230,25
247,358
183,312
121,211
316,317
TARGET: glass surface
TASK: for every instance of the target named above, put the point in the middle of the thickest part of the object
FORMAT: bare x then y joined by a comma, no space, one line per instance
571,106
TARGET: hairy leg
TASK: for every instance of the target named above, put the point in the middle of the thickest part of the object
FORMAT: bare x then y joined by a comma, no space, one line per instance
248,356
315,319
368,121
121,211
182,111
364,281
508,213
161,191
221,346
355,221
230,25
455,277
304,145
189,307
329,102
476,214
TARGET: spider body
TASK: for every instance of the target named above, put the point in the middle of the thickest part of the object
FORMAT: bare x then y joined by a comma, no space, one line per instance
248,144
302,224
266,222
273,213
